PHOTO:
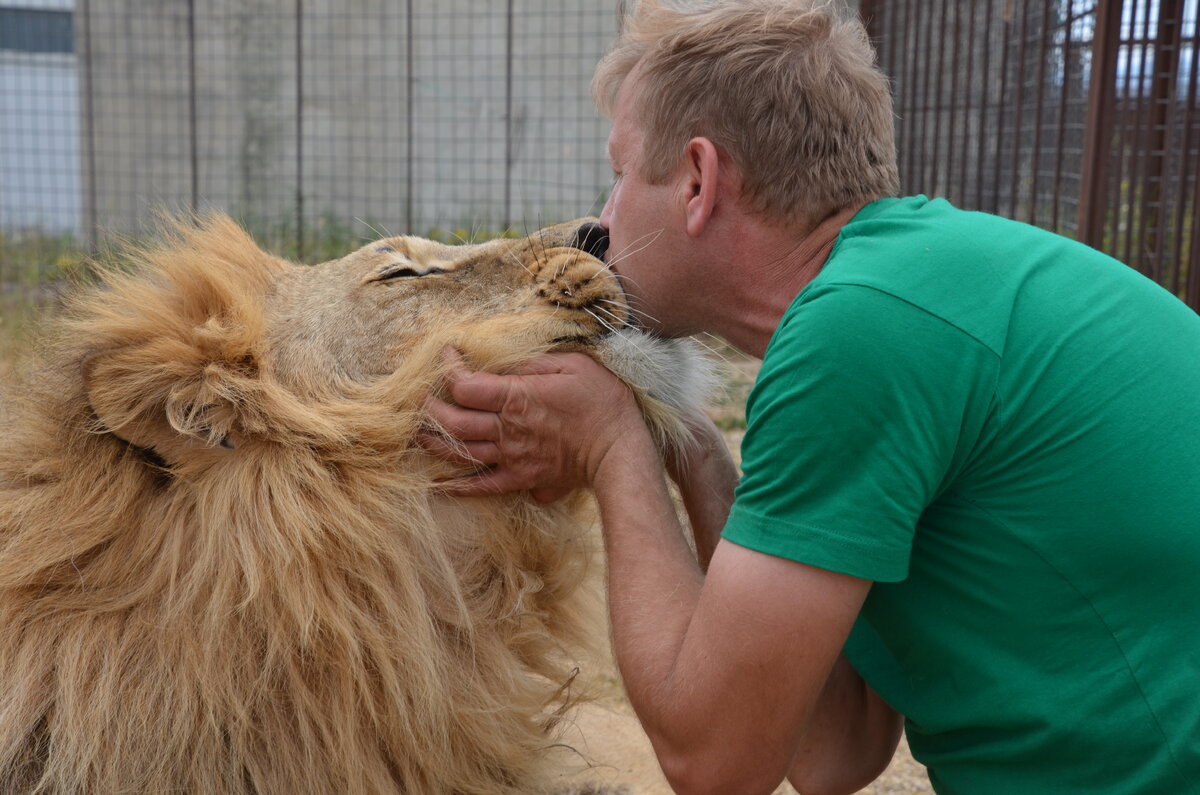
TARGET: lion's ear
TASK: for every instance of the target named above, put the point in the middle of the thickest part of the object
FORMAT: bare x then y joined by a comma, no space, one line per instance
171,395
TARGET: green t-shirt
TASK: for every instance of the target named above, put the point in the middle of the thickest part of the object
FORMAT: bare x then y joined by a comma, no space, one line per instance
1001,428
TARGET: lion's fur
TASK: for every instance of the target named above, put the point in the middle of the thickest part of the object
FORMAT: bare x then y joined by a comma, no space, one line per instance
224,564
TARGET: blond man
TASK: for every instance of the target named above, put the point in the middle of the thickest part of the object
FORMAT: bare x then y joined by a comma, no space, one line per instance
968,496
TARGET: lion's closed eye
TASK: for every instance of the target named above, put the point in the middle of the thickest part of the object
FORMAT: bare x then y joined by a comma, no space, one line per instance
405,272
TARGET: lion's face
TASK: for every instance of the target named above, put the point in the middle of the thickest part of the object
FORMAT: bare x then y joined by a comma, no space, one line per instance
219,344
360,315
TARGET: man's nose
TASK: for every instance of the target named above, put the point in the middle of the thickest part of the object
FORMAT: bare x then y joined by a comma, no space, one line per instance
606,213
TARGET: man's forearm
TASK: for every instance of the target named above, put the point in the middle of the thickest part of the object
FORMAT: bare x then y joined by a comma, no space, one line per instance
724,668
654,581
706,477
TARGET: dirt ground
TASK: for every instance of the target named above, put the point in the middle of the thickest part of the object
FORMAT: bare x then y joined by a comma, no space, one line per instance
608,735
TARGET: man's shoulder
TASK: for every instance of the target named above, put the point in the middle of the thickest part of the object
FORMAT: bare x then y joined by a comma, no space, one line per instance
974,270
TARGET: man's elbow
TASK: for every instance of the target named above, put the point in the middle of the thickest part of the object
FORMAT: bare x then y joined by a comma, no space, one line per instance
709,774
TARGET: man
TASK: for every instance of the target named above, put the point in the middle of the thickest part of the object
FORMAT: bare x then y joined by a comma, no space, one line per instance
970,474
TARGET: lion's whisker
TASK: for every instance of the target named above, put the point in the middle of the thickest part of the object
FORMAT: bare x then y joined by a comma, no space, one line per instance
630,250
640,314
605,324
380,233
511,255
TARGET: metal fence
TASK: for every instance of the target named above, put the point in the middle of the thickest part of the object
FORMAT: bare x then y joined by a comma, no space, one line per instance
313,121
1076,115
320,123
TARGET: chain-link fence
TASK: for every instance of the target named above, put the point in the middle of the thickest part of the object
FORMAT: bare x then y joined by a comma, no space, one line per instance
315,122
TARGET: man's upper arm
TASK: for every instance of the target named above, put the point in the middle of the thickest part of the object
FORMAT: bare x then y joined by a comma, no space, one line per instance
866,408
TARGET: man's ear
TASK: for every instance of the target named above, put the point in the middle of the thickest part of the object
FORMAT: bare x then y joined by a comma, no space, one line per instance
702,169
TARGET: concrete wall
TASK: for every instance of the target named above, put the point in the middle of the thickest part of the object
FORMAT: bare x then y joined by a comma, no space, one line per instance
276,116
353,113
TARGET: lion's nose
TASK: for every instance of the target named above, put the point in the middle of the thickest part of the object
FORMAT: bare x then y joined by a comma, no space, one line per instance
592,238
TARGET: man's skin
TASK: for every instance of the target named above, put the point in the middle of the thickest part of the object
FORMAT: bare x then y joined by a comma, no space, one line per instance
733,662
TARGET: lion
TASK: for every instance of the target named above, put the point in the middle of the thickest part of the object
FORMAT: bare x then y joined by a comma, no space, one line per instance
226,565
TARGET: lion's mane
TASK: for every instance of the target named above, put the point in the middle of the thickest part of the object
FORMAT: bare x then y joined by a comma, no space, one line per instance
302,614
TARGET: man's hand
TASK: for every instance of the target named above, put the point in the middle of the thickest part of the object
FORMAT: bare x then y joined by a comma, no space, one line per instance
545,428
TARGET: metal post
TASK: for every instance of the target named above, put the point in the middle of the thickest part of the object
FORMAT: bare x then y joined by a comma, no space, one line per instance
1043,57
969,82
1168,40
866,13
90,123
1005,46
1097,143
192,116
300,130
1190,278
1065,92
509,144
985,85
952,125
1019,101
410,127
936,101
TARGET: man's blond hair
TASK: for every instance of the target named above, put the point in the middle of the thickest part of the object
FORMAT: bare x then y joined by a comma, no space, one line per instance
788,89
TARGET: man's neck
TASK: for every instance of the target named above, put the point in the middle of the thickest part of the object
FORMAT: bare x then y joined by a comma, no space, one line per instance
774,272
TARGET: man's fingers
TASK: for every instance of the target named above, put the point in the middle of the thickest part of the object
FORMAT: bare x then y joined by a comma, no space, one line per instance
450,449
485,484
551,363
473,389
464,423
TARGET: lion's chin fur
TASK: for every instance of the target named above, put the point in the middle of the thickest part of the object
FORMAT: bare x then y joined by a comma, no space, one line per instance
300,613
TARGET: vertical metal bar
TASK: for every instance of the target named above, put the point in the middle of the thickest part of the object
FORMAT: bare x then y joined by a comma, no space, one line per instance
90,122
1193,291
192,116
300,130
910,92
883,23
1014,189
1139,144
1037,114
985,88
938,98
1098,131
955,97
924,103
895,48
866,13
1063,105
1121,197
410,126
1190,279
1167,41
1007,45
509,154
967,94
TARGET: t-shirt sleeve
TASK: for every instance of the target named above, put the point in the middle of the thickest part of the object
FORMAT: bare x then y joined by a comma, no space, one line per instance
855,424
